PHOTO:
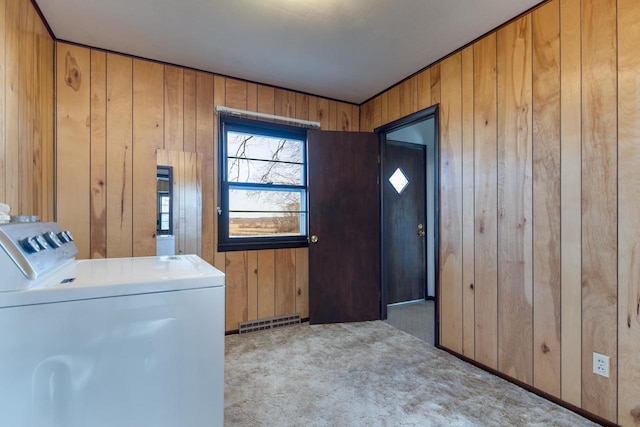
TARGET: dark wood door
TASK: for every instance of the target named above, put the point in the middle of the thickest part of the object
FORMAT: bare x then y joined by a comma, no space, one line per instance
404,222
344,214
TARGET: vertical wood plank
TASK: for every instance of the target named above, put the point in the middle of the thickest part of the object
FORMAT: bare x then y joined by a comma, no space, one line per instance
393,101
266,284
285,281
302,106
344,116
435,84
515,258
384,108
451,204
366,116
236,94
23,148
252,97
98,154
571,202
173,108
266,99
302,282
148,115
205,116
197,238
285,103
333,115
12,107
219,95
321,113
119,156
73,154
26,110
48,71
189,124
468,256
4,28
38,91
599,207
409,96
546,195
162,157
175,159
424,89
628,220
485,199
355,118
192,202
252,285
236,289
36,193
377,112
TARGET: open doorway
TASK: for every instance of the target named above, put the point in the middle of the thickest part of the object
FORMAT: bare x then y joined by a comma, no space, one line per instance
410,223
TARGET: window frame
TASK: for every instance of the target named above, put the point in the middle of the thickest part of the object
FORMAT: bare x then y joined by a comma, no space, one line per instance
227,243
159,230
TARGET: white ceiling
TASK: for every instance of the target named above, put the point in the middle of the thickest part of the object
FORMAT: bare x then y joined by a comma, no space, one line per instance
344,49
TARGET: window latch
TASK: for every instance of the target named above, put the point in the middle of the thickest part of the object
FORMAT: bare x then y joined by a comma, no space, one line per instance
219,211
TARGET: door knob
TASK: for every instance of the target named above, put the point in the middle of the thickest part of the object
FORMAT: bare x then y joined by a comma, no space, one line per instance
314,239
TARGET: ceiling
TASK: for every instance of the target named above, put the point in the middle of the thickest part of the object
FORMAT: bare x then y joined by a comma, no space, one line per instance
348,50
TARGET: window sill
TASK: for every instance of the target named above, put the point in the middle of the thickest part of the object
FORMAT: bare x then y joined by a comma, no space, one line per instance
256,245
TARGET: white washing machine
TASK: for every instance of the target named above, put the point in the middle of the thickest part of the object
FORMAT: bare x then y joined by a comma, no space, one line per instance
113,342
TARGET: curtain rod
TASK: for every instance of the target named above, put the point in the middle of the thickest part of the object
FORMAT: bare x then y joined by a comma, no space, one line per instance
236,112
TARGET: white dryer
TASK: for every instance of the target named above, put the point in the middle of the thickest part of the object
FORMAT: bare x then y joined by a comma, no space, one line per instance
126,342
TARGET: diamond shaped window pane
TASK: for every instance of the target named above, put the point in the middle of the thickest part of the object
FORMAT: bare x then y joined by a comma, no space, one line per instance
399,180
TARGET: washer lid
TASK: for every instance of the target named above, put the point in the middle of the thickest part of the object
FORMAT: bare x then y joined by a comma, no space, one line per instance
102,278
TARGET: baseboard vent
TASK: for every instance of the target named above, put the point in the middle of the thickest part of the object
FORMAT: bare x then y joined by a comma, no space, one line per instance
270,323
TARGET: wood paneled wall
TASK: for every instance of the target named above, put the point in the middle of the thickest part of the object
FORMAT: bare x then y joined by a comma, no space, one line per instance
539,236
26,110
269,283
114,112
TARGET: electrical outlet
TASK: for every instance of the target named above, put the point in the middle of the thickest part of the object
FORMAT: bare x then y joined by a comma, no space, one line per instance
601,364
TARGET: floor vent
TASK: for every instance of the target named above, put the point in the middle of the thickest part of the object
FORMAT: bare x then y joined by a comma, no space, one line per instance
270,323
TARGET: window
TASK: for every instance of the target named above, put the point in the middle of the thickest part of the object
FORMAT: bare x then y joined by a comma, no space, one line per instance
263,194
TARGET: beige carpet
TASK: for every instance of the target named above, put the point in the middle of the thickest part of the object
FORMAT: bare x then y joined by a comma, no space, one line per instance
368,374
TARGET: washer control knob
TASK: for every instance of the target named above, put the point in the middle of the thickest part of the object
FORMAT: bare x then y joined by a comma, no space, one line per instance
52,239
62,236
42,242
30,245
69,235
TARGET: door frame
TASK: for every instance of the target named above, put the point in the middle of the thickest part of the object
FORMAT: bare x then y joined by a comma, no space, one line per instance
381,131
